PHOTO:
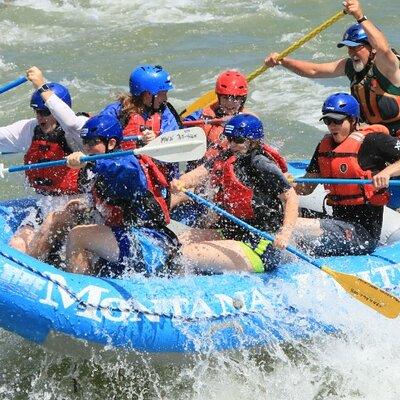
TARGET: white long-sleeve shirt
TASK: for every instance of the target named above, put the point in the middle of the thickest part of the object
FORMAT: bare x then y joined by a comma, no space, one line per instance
17,137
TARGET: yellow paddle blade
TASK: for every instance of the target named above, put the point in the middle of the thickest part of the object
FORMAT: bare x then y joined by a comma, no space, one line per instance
210,97
369,294
202,102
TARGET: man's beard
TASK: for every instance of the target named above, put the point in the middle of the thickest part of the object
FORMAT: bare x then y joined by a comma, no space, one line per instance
358,65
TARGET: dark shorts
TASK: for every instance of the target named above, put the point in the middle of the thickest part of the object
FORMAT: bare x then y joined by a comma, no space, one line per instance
341,238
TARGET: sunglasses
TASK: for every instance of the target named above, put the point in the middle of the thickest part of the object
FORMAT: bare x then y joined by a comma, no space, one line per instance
43,113
235,99
91,141
237,140
328,121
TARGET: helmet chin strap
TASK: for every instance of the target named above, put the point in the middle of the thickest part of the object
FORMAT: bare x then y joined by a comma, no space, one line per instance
108,150
151,109
153,98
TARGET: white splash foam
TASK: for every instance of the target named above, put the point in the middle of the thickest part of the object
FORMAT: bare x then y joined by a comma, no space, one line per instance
6,66
273,10
48,5
12,33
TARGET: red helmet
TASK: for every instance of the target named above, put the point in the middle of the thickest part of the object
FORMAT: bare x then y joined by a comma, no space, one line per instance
231,83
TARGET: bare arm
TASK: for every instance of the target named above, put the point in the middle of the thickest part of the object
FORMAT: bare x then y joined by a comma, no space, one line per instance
315,70
309,69
291,208
191,179
306,188
65,116
385,60
381,180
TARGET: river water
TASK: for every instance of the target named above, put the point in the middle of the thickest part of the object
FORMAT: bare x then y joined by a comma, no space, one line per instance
91,46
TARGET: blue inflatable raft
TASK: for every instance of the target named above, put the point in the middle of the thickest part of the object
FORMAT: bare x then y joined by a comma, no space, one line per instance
181,315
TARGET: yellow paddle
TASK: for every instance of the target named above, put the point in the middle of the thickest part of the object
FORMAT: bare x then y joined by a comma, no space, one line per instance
210,97
369,294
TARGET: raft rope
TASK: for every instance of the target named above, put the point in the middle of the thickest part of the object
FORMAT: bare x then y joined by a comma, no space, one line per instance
84,304
384,258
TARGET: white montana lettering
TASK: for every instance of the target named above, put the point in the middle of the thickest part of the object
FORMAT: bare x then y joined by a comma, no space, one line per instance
96,306
93,297
388,274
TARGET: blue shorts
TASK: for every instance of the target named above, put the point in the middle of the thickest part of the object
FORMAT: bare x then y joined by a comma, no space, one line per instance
143,250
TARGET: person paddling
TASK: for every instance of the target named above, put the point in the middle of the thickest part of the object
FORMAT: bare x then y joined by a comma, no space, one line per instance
125,191
145,110
231,88
349,151
250,184
372,67
51,135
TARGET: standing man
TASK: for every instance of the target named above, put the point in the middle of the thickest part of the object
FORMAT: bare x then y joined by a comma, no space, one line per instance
372,68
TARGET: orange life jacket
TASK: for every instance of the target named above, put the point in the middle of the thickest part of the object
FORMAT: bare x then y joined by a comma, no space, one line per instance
50,147
340,161
378,106
233,195
136,125
216,142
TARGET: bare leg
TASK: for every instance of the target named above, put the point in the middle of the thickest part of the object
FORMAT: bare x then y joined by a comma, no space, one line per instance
217,256
309,226
43,240
55,227
84,241
199,235
22,239
307,234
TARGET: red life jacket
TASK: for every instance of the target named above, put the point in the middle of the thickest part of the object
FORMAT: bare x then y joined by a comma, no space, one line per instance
114,214
121,212
156,183
233,195
136,125
340,161
50,147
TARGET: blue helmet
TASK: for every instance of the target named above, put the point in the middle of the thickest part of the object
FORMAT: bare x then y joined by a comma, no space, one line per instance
61,91
354,36
339,104
244,125
102,126
149,78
